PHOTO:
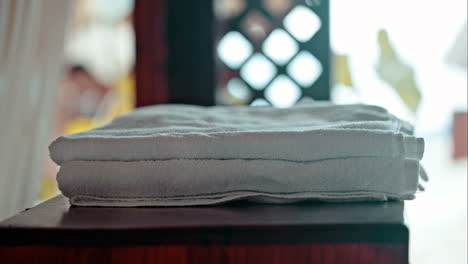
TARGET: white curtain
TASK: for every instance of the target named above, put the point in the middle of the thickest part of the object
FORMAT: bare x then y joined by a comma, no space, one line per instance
31,61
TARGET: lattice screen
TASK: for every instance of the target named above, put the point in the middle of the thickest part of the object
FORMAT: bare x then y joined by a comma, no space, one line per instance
272,51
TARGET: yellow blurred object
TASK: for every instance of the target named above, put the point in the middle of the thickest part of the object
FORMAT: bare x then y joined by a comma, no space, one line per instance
48,188
398,75
121,100
79,125
342,72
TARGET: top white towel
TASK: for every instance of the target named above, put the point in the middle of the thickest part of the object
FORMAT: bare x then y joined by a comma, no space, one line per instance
309,131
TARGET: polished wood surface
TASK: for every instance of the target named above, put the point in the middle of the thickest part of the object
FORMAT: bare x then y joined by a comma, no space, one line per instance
55,221
237,232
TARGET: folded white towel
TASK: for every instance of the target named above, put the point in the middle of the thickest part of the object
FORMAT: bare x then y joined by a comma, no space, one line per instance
305,132
198,182
175,155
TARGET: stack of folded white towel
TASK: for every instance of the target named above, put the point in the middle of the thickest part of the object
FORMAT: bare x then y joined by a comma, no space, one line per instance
178,155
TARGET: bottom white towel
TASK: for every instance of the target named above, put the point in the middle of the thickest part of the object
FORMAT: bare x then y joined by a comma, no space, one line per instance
182,182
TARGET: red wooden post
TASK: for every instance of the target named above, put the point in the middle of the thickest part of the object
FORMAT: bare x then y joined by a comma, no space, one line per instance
151,52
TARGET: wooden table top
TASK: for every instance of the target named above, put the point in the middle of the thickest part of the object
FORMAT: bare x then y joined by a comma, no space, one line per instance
55,222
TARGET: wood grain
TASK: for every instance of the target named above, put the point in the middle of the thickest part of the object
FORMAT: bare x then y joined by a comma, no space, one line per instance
206,254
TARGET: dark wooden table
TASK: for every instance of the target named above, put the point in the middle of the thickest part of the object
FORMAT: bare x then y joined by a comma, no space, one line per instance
240,232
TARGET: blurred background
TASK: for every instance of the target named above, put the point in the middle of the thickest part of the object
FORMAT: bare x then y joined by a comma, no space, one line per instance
69,66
